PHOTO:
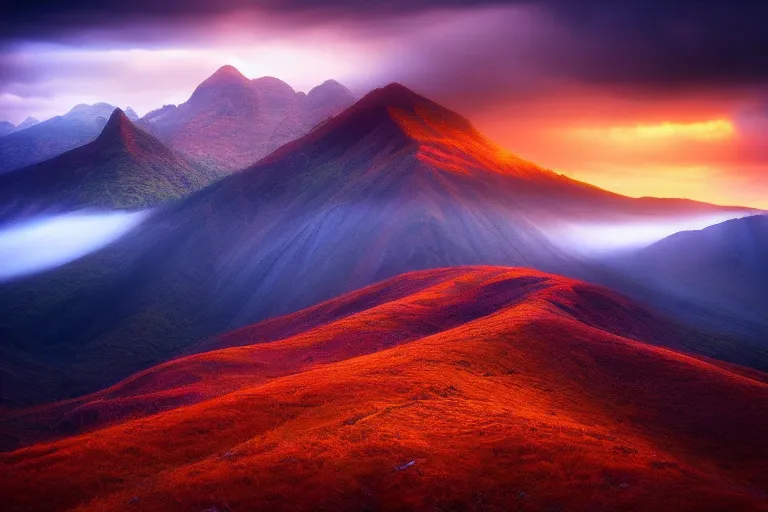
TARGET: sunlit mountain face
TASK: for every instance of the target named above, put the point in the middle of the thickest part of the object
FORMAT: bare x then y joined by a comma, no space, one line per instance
644,98
409,255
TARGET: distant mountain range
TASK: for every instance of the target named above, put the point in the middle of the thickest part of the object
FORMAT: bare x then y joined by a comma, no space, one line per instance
393,184
124,168
6,127
44,140
230,122
506,388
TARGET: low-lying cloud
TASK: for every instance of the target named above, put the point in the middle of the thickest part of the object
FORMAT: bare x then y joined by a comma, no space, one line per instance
45,243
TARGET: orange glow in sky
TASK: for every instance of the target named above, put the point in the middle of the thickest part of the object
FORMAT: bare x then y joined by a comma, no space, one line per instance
684,150
714,129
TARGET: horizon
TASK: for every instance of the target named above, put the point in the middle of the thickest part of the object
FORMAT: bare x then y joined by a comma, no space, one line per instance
655,100
707,130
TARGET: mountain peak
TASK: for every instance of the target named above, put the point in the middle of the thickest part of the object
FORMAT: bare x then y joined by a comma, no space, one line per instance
132,115
270,81
6,128
118,129
330,91
418,109
396,115
29,121
272,87
330,85
89,113
226,78
225,74
394,95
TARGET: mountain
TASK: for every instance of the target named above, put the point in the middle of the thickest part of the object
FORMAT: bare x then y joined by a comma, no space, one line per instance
50,138
720,268
6,128
395,183
325,101
27,123
230,122
131,114
474,388
124,168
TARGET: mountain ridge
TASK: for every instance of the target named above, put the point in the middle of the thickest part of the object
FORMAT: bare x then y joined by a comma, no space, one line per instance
351,203
122,168
242,120
52,137
518,374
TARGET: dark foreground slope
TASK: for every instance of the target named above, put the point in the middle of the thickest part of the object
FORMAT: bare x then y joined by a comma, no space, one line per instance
124,168
395,183
457,389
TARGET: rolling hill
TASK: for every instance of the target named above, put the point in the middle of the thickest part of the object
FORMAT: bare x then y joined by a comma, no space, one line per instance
124,168
474,388
393,184
47,139
230,122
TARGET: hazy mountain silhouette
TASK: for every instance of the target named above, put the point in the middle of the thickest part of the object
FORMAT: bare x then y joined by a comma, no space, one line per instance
393,184
517,374
131,114
6,128
50,138
124,168
230,122
27,123
722,267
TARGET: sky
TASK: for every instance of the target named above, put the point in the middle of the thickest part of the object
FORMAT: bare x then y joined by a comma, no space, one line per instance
642,97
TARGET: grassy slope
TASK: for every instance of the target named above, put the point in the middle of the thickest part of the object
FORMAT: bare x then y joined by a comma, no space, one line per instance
52,137
124,168
480,389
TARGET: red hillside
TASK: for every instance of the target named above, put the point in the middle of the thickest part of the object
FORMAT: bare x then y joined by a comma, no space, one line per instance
474,388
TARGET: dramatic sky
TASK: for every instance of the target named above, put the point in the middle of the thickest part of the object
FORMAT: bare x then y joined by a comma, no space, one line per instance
644,97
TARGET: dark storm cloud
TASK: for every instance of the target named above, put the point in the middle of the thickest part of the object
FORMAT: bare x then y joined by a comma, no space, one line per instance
634,42
666,42
51,18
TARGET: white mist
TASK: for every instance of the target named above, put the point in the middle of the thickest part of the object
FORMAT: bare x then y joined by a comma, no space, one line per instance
44,243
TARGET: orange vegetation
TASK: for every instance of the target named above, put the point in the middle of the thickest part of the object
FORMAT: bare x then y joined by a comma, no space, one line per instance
475,388
452,144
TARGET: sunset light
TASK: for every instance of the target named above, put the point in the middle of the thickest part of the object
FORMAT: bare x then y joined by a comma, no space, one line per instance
390,255
711,130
